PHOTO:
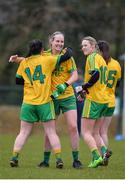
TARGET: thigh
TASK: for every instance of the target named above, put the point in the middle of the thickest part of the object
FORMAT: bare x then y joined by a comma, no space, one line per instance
49,126
26,127
71,118
105,124
98,125
88,125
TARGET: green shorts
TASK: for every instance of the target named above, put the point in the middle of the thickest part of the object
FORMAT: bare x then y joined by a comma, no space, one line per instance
93,110
109,111
34,113
64,105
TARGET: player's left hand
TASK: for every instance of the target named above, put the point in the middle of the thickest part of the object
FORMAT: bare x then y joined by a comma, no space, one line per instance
61,88
13,58
54,95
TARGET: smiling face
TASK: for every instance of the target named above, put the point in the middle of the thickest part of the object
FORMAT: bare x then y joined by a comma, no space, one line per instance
87,47
57,43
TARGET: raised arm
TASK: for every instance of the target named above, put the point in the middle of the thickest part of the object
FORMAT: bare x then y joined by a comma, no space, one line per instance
67,55
16,59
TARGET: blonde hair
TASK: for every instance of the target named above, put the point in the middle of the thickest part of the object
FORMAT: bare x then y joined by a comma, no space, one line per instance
92,42
52,36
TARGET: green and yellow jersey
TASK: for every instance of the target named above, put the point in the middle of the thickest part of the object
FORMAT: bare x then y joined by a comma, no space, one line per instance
114,74
62,74
97,92
37,71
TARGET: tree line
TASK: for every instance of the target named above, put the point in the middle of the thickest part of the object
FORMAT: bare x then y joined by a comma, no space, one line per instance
23,20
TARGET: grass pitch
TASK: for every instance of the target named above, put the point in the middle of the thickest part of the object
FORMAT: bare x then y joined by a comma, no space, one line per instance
32,154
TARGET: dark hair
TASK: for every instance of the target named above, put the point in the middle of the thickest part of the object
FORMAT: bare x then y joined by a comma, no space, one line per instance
35,47
104,49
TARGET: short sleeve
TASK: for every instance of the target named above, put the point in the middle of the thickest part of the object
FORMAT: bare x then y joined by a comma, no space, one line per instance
119,72
71,65
53,61
19,70
92,62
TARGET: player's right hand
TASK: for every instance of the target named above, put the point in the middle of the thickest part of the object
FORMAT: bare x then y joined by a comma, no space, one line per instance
81,95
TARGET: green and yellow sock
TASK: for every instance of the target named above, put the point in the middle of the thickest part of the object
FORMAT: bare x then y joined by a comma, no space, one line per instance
15,155
95,154
103,149
57,153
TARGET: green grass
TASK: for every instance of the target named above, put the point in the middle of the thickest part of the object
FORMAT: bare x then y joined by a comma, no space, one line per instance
32,154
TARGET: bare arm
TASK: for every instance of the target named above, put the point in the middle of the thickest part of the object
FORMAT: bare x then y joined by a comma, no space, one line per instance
65,57
73,78
16,59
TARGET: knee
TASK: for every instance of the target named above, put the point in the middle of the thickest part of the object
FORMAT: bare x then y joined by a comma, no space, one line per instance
73,129
96,134
102,132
